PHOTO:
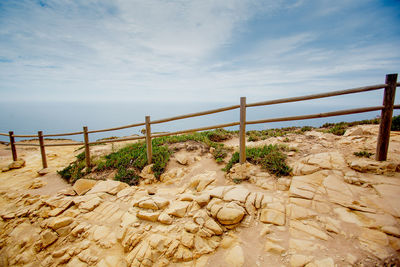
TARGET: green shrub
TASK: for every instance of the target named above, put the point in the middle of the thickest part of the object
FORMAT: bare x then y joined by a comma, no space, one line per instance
74,171
363,153
130,160
268,157
396,123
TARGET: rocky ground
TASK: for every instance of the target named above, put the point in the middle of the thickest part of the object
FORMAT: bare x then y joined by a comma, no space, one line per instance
336,210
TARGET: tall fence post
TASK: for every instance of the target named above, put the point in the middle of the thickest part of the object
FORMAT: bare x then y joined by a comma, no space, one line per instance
42,151
148,140
12,144
242,131
87,149
386,117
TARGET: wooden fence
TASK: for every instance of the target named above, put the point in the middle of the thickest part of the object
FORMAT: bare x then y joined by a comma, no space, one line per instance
381,150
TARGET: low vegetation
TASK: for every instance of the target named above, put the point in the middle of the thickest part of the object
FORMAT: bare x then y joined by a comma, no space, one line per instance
268,157
341,127
130,160
396,123
363,154
275,132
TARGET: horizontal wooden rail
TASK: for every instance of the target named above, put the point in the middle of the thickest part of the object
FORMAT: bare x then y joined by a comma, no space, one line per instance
62,134
197,129
25,135
207,112
319,115
396,106
65,144
4,134
26,144
118,140
117,128
315,96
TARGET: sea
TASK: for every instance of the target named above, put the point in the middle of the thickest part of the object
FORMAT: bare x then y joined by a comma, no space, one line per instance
61,117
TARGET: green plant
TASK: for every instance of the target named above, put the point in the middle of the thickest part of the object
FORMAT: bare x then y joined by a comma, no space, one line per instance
130,160
306,129
396,123
74,171
338,129
363,153
269,157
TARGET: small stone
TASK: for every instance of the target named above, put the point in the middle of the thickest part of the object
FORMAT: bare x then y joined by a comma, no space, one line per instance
191,227
148,216
298,260
43,171
165,218
19,163
59,222
273,247
83,185
48,237
229,216
178,208
272,216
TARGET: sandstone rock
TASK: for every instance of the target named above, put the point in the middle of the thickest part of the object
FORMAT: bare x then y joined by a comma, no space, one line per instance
201,181
59,222
182,159
354,131
391,230
235,257
374,236
148,216
203,199
311,230
43,171
47,238
191,227
272,216
201,246
109,186
82,185
213,226
300,213
237,194
229,216
370,165
178,208
272,247
19,163
298,260
165,218
187,239
37,183
90,204
304,169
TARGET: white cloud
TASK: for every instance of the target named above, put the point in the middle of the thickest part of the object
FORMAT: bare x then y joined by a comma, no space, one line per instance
169,50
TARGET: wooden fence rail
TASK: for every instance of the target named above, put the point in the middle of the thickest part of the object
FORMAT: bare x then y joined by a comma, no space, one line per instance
381,150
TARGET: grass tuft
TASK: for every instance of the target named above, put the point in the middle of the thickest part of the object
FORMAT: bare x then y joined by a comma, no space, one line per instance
268,157
363,154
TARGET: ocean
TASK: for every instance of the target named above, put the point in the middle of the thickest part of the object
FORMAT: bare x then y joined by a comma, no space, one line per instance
61,117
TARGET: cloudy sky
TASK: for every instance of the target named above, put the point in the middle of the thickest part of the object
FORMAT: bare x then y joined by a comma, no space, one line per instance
200,50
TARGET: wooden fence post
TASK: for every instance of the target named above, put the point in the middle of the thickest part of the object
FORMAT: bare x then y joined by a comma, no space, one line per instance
242,131
42,151
87,149
386,117
12,144
148,140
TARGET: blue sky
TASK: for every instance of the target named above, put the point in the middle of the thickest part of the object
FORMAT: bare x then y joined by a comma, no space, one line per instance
158,50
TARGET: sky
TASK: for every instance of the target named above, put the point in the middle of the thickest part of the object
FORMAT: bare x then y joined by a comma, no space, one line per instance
153,51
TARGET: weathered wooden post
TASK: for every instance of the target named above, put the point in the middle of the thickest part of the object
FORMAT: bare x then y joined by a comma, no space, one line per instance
12,144
386,117
87,150
242,131
148,140
42,151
